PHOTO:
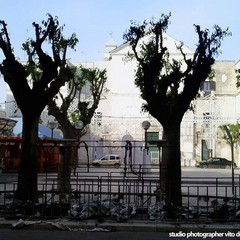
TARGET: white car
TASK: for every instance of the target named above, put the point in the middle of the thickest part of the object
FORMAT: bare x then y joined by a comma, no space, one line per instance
108,160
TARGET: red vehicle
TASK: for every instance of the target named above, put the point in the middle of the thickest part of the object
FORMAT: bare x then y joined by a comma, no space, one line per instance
10,150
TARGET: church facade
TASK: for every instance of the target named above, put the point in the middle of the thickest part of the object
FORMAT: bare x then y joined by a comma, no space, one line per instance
119,116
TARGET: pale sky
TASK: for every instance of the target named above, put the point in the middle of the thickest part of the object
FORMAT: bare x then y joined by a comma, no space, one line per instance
94,20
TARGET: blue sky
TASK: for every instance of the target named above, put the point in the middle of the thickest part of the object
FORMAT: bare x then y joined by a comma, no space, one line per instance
94,20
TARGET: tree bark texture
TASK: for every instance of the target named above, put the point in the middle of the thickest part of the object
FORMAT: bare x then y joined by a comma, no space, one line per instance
27,175
170,182
67,158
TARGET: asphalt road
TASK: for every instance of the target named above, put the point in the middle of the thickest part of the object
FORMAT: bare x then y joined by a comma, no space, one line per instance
8,234
186,172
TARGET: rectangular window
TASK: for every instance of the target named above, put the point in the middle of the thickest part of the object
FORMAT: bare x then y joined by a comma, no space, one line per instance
208,86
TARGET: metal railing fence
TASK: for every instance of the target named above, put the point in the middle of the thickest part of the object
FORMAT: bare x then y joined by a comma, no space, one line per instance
203,196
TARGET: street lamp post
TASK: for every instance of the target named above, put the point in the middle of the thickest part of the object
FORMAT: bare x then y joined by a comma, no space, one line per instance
52,125
78,126
145,125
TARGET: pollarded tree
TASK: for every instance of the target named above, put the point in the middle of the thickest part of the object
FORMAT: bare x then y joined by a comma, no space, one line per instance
71,108
231,133
33,89
168,86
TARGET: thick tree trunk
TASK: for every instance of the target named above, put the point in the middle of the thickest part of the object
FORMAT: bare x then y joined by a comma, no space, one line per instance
67,154
27,175
171,166
64,172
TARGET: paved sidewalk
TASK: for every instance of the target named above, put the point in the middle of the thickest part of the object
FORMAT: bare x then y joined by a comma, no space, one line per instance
130,225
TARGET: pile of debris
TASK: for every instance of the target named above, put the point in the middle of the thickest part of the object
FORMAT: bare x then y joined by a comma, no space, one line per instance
112,208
